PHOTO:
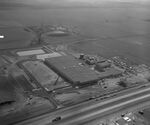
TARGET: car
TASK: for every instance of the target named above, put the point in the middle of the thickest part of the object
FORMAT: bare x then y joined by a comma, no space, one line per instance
127,119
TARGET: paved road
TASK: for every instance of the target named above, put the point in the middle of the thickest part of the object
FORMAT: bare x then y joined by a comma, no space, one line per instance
88,111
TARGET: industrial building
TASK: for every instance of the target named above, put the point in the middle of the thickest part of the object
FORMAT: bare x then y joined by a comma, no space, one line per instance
30,52
110,72
39,72
91,59
100,66
49,55
72,70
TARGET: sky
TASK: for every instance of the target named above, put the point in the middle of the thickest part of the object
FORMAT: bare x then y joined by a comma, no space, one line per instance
85,1
68,2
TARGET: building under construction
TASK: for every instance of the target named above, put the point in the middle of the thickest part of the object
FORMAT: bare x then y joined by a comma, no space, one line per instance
72,70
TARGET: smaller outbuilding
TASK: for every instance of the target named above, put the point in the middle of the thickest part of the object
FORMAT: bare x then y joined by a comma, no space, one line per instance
49,55
111,72
30,52
100,66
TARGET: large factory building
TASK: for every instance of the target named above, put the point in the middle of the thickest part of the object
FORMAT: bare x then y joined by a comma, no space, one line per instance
72,70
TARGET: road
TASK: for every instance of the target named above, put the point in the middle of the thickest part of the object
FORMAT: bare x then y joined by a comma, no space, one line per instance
84,112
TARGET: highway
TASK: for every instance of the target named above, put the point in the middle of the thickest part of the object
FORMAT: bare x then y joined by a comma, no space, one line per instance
84,112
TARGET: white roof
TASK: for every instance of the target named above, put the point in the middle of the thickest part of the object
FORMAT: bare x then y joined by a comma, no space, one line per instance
30,52
50,55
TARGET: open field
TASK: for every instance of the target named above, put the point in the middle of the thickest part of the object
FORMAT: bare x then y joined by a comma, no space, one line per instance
122,29
14,37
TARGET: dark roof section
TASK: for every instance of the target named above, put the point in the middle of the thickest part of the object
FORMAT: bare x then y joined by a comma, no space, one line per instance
72,70
7,93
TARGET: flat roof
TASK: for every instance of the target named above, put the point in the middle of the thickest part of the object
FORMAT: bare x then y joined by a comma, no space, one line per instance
48,55
40,72
30,52
72,70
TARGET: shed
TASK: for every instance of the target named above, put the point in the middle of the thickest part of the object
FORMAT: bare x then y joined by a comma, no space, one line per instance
101,66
